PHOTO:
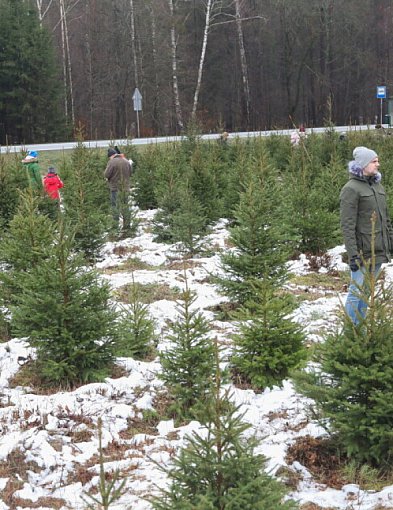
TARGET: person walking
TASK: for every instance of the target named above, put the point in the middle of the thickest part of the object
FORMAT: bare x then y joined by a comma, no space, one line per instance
30,162
118,174
52,184
362,198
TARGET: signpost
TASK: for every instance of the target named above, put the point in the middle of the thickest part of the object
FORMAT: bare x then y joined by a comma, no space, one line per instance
381,94
137,98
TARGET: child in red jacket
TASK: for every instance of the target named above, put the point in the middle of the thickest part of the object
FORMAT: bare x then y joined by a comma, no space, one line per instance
52,183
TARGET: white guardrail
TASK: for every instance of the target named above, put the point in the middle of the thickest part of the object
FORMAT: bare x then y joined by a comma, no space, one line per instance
168,139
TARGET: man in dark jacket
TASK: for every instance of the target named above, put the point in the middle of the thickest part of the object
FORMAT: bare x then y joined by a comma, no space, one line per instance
118,173
362,198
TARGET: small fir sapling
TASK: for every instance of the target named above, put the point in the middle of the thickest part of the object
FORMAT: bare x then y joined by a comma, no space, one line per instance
188,363
218,467
269,345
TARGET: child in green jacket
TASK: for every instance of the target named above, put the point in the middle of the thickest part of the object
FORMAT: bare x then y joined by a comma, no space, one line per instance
33,170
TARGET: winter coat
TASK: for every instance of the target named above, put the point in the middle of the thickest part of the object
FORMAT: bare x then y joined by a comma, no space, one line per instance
34,174
359,198
52,184
118,172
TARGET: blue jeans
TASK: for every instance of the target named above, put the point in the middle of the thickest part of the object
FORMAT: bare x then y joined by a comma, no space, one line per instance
355,307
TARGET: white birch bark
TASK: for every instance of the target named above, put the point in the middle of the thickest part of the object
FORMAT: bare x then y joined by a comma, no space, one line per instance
243,60
64,60
67,58
175,85
202,57
155,61
41,13
133,45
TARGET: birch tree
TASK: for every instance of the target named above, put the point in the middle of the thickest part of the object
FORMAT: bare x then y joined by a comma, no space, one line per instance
175,84
133,43
67,69
243,60
42,11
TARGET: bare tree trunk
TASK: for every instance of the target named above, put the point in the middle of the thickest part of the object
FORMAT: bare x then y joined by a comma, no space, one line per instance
67,58
243,61
63,51
89,70
156,81
133,45
41,14
175,85
202,58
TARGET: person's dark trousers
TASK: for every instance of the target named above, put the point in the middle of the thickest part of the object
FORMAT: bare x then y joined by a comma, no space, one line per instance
115,209
120,207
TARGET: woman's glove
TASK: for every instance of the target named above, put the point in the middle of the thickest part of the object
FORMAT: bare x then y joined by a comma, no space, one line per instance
355,263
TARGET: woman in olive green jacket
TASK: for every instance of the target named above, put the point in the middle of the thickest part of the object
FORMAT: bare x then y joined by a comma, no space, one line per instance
362,196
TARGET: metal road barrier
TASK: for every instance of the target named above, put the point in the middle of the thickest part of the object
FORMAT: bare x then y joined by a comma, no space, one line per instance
94,144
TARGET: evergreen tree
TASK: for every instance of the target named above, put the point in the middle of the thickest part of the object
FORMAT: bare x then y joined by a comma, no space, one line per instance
136,328
30,91
261,246
64,310
189,223
307,203
203,185
352,379
145,176
25,245
86,201
269,345
188,363
171,177
12,181
218,469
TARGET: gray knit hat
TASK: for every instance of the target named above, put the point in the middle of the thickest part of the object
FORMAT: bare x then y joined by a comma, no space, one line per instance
363,156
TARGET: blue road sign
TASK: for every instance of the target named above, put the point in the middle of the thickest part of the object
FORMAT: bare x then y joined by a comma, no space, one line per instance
381,92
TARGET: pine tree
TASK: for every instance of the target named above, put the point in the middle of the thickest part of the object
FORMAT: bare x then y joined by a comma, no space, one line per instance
218,469
260,246
352,382
30,92
65,311
269,345
188,364
136,329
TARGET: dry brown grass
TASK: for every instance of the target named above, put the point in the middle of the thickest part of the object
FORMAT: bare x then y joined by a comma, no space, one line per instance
128,266
148,293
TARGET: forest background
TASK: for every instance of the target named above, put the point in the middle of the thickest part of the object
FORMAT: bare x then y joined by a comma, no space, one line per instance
226,64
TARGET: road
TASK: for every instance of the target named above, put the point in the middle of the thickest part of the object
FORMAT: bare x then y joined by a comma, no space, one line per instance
167,139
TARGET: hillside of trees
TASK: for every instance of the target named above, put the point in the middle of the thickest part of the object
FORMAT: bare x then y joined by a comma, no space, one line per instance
225,64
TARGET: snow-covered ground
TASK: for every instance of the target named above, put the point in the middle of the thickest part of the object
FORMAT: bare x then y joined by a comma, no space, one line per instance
51,441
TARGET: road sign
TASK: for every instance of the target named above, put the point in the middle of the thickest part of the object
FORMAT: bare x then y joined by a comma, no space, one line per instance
137,98
381,92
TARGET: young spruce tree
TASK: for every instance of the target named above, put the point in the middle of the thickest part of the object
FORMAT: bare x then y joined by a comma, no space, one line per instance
65,311
219,469
352,384
269,344
188,363
86,202
25,244
136,328
261,246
